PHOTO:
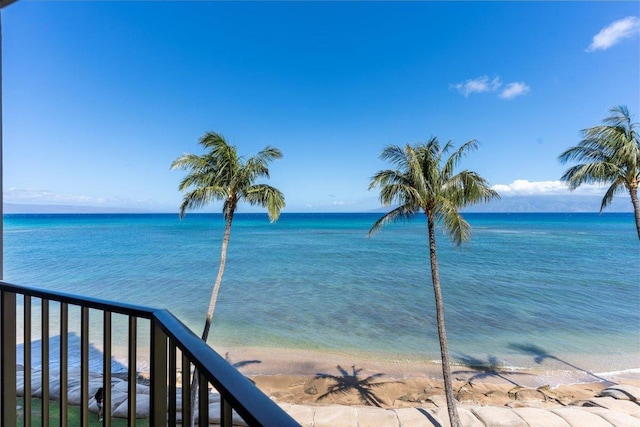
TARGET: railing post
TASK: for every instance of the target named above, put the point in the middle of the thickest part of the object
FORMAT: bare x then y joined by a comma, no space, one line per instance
84,366
168,335
26,402
226,413
173,371
203,400
8,360
132,374
64,365
106,368
44,357
186,389
158,397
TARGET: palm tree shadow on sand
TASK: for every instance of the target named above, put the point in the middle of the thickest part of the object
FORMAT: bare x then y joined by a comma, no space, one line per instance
347,382
240,364
540,355
482,369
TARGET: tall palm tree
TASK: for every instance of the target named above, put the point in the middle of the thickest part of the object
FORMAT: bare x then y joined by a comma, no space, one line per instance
424,181
608,154
220,174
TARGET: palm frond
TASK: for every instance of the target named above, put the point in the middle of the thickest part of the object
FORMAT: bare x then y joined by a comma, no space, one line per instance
455,158
401,213
220,174
614,188
457,228
606,152
266,196
394,155
424,181
198,198
590,173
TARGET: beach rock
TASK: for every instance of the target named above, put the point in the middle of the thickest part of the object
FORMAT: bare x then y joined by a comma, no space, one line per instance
512,393
550,395
311,390
497,396
413,398
433,391
440,401
465,395
529,395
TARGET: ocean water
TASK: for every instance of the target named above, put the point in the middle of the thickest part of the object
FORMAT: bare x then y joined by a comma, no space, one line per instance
526,290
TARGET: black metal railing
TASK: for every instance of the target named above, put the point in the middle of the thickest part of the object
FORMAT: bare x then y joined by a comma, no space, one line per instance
170,345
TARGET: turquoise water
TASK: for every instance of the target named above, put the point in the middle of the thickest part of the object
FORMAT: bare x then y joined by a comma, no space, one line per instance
564,286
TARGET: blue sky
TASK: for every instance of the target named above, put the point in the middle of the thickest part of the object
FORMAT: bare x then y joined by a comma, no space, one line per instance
101,97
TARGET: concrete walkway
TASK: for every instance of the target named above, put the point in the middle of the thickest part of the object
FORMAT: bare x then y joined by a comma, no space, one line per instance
597,412
616,406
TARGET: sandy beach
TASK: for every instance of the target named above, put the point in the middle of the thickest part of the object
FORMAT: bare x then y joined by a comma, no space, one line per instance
308,377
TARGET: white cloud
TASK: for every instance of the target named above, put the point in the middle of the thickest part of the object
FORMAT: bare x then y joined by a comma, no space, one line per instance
514,89
479,85
484,84
615,32
522,187
46,197
19,195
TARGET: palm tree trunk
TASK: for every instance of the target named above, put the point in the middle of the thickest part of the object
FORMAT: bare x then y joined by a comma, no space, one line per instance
216,286
633,192
442,335
212,306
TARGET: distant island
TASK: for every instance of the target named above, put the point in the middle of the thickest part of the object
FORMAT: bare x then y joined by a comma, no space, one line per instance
512,204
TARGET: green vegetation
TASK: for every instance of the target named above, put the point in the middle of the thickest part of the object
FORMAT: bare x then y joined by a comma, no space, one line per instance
424,181
608,154
73,416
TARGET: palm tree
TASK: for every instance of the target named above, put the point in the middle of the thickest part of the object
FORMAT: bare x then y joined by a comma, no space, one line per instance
425,181
608,154
220,174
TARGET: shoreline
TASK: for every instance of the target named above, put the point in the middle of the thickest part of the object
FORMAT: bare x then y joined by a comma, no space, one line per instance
283,361
273,362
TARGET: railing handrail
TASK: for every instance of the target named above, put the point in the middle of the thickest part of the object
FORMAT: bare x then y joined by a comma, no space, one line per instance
248,401
90,302
243,396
